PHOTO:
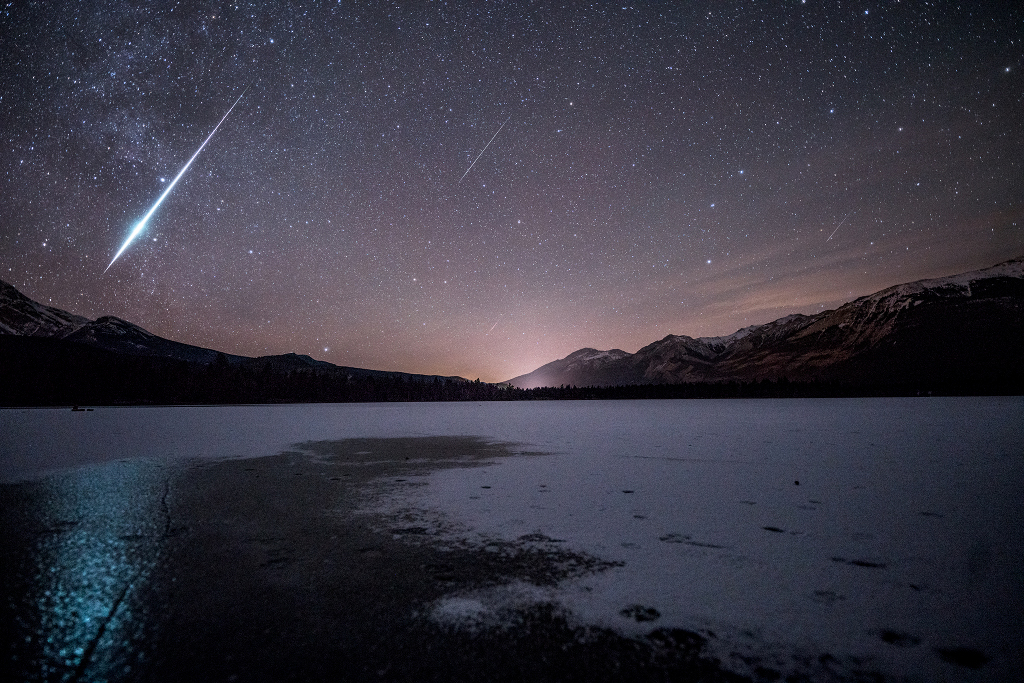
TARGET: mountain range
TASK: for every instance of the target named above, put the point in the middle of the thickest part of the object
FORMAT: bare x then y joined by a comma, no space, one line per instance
21,316
957,334
49,356
966,328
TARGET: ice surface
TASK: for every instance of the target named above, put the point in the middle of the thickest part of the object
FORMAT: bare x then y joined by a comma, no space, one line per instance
901,541
904,533
34,441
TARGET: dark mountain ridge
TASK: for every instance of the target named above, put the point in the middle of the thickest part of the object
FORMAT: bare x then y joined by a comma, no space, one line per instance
21,316
49,356
956,335
967,327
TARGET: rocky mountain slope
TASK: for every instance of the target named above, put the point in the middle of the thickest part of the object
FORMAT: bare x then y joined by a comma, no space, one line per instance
964,327
21,316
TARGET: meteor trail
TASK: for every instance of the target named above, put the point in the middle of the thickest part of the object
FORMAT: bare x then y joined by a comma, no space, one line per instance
484,149
141,225
840,225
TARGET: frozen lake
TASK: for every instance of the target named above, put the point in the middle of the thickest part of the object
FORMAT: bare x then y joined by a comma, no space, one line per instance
887,533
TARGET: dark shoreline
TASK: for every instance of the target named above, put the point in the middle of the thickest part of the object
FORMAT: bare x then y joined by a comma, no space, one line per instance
51,372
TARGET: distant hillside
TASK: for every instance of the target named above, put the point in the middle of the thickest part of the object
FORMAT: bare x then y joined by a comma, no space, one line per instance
965,329
953,335
52,357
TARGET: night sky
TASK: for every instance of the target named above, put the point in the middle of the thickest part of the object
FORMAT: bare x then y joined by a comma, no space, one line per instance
659,169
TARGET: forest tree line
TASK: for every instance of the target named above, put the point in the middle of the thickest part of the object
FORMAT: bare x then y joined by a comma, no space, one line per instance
48,372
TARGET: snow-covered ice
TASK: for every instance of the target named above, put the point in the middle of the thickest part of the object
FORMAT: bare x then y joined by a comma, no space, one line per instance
903,536
898,550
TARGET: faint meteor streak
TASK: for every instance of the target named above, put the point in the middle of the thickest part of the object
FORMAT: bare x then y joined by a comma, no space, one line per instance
484,149
141,225
492,328
840,224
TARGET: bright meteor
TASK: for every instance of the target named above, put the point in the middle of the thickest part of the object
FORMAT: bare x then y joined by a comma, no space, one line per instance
141,225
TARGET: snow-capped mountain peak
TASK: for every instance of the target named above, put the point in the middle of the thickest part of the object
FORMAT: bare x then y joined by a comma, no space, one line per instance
912,330
22,316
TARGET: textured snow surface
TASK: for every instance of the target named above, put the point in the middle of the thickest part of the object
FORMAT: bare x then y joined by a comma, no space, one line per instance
903,539
904,533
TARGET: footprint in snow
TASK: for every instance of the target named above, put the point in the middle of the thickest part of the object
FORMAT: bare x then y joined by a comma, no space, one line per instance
962,656
898,638
641,613
860,563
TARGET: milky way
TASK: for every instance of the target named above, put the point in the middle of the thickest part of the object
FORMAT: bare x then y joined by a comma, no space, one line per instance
663,169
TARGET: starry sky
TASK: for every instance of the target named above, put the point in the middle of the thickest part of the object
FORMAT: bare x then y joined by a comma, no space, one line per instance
664,168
